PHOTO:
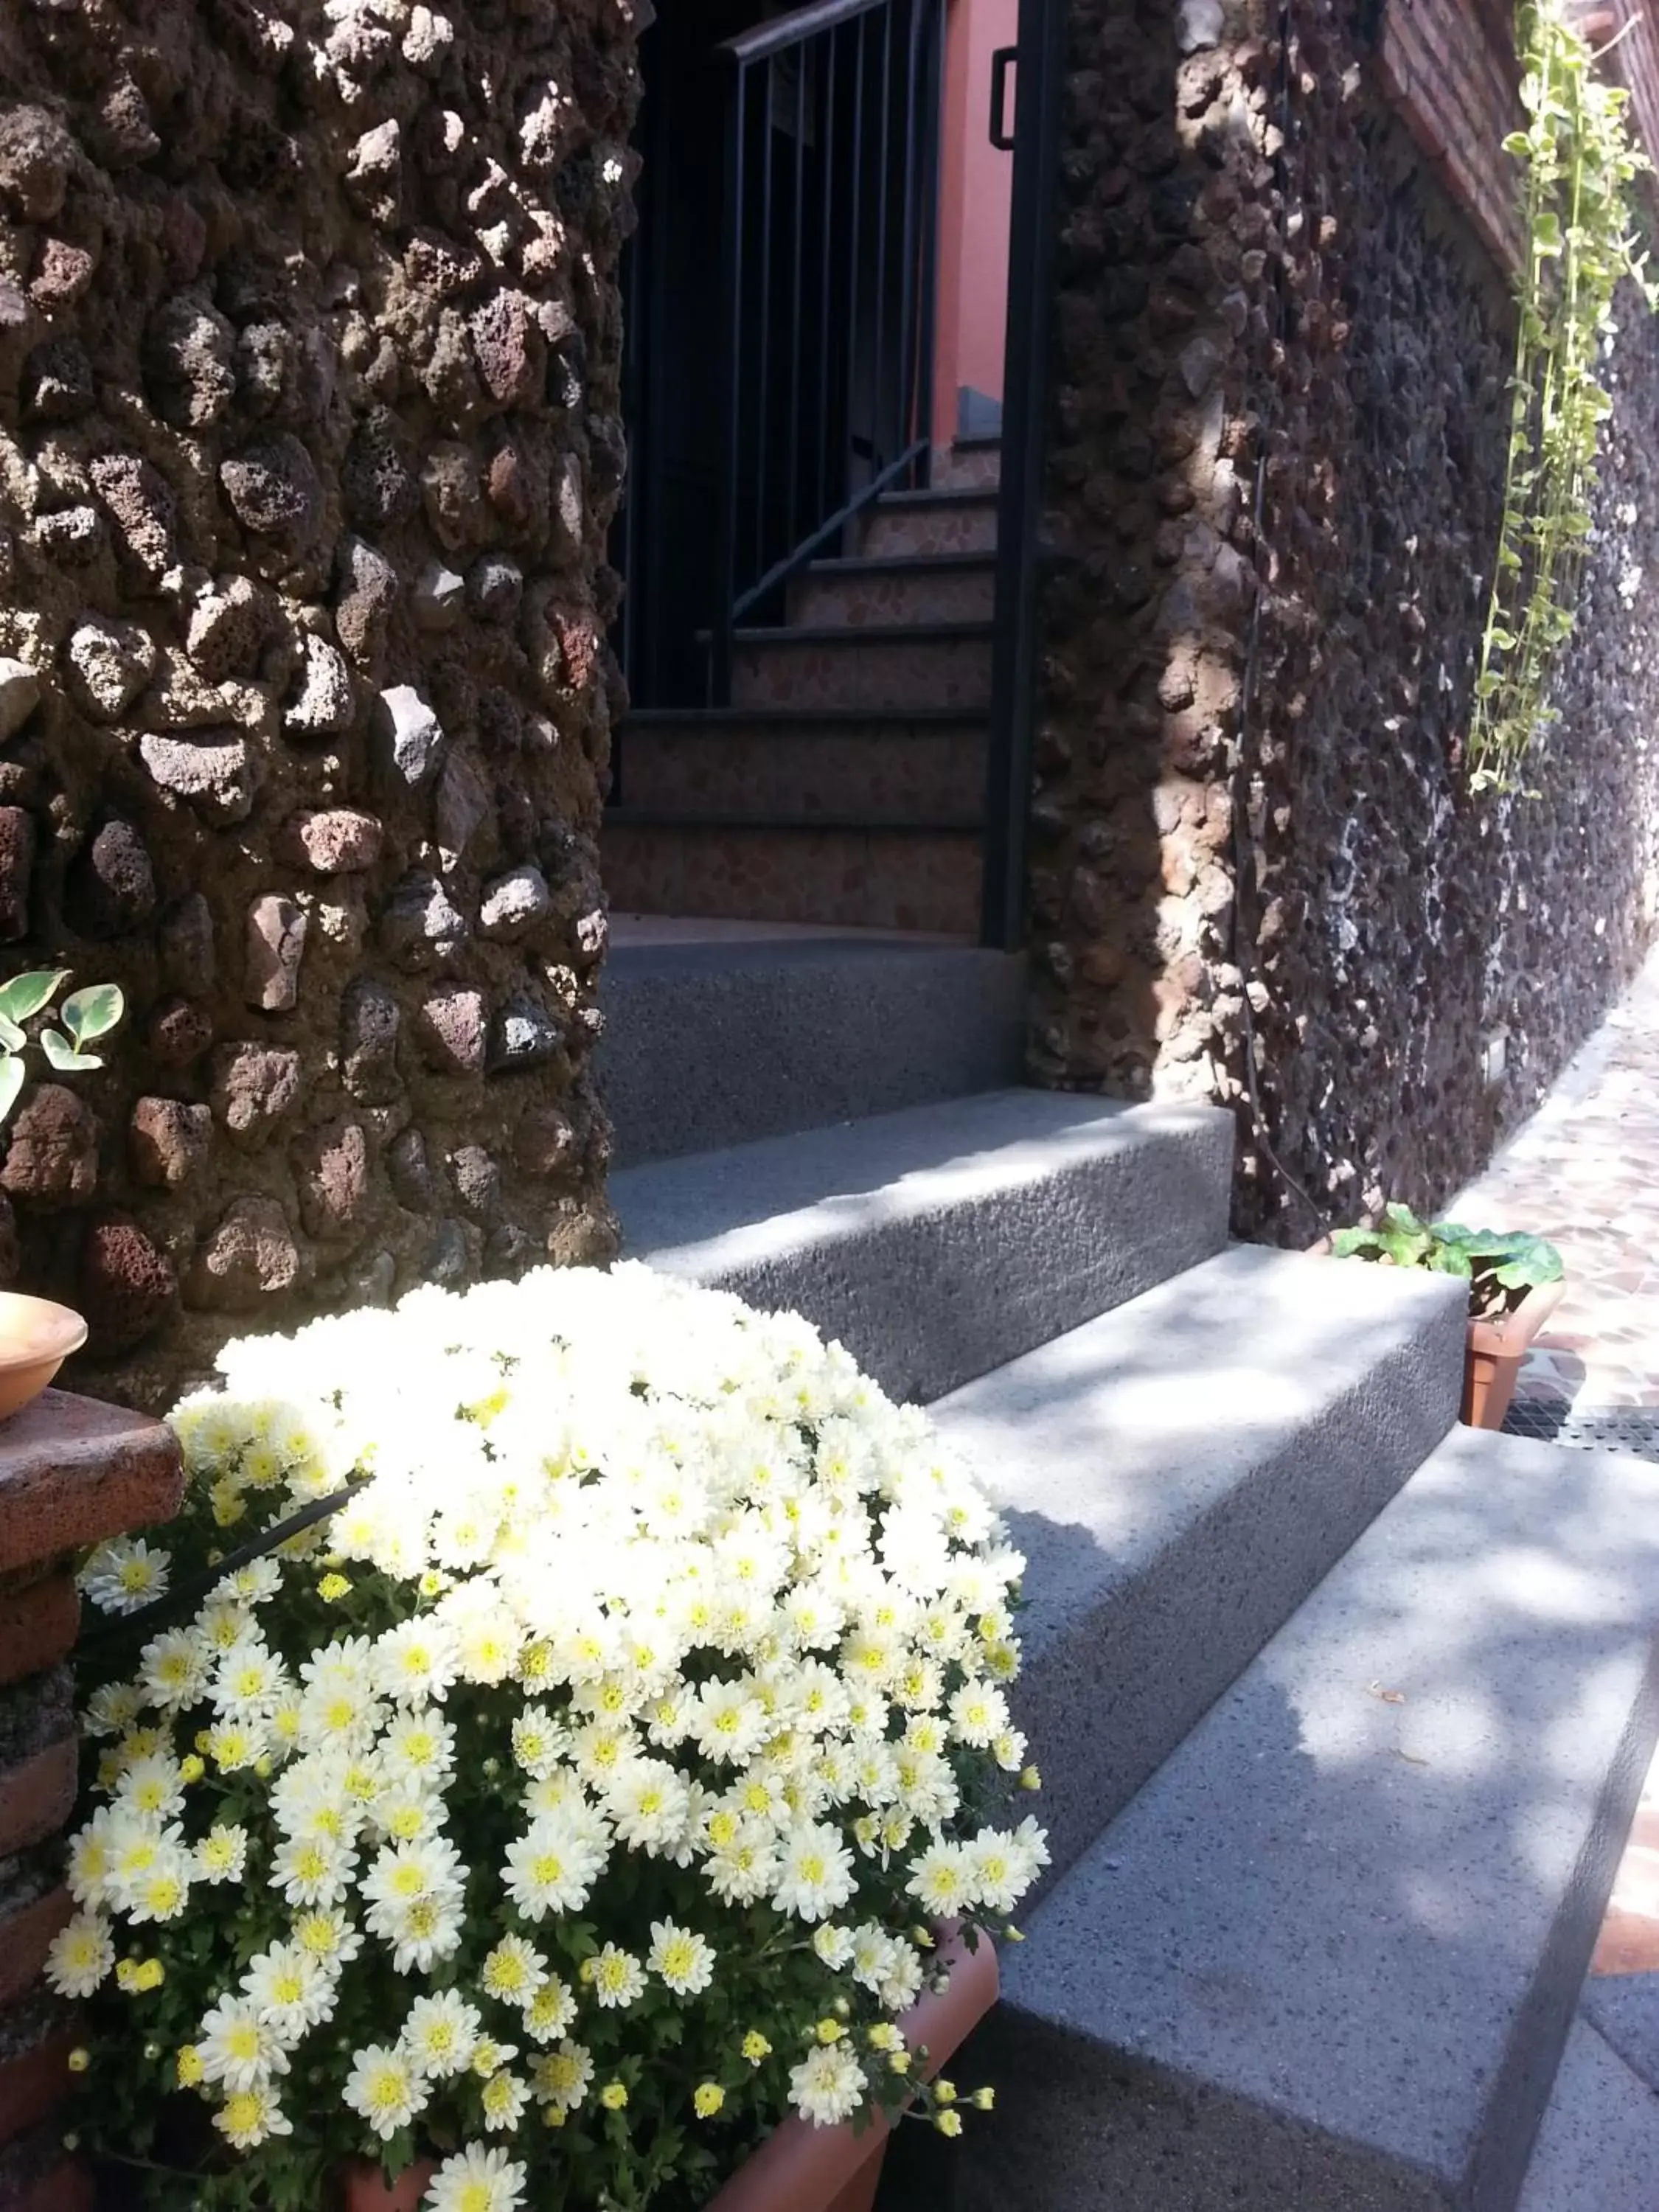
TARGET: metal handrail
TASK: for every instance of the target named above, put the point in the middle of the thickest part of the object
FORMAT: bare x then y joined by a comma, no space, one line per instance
814,432
795,28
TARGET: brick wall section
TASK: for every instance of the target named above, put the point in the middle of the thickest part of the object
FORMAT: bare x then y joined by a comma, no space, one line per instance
72,1471
1448,69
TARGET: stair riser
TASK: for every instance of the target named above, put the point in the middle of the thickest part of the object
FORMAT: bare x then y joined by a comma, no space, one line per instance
917,595
970,527
853,880
904,770
929,1299
883,675
702,1051
957,466
1107,1692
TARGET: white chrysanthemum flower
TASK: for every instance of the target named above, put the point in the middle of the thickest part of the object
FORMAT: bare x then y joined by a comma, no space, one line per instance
503,2098
250,2117
222,1855
415,1663
290,1990
153,1784
943,1880
680,1958
123,1574
328,1936
113,1710
237,2048
313,1870
815,1874
249,1679
418,1747
441,2033
551,2012
512,1971
82,1956
385,2088
828,2085
476,2181
615,1977
554,1866
649,1805
561,2078
174,1669
1006,1865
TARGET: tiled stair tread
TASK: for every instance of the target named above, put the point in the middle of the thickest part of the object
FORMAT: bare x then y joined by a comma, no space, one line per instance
712,721
1179,1474
866,634
941,495
871,825
938,1243
1598,2148
1625,2009
902,564
1344,1928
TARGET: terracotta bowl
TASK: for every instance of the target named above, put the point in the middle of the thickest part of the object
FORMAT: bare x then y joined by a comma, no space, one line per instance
36,1338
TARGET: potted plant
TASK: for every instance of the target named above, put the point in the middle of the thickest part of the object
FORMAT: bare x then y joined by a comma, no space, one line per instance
1516,1281
37,1335
560,1759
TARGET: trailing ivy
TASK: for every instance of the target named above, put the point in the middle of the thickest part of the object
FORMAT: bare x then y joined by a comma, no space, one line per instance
1578,161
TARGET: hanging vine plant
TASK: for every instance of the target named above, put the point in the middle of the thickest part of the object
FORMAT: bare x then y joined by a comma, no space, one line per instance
1577,162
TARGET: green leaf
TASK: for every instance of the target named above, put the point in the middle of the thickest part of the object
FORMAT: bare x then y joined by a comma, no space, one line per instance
63,1056
26,995
11,1082
92,1012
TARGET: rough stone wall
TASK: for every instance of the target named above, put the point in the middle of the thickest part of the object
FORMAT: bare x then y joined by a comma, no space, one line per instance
1258,874
309,354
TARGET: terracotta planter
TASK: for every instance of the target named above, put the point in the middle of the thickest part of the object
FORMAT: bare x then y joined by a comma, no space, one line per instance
359,2187
36,1338
801,2168
1495,1349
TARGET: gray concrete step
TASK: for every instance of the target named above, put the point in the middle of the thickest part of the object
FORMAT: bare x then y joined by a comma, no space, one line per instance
938,1244
1179,1474
714,1044
1329,1955
1598,2148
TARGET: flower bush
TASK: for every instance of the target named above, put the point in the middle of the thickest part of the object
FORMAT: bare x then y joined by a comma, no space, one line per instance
573,1802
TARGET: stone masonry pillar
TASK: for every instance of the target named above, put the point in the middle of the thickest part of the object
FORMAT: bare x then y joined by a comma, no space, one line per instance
72,1472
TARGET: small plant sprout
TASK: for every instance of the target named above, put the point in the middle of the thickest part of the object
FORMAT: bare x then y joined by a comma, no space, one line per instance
1499,1265
84,1017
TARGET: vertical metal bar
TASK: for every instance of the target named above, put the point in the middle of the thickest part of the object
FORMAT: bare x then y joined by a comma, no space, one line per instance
793,510
719,657
762,423
910,242
826,256
852,256
878,455
1042,28
932,186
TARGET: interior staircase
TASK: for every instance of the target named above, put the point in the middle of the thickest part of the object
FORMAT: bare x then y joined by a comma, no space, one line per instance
1341,1709
845,784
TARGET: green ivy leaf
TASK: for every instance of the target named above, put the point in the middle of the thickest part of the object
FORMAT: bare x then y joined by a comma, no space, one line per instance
11,1082
92,1012
26,995
63,1056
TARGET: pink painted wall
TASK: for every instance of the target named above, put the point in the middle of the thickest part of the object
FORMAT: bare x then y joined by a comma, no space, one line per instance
975,185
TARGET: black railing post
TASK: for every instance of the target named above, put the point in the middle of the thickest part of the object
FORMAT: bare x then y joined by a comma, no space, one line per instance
1042,25
726,592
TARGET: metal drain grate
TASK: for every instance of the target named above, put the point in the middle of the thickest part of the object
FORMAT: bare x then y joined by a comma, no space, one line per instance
1632,1429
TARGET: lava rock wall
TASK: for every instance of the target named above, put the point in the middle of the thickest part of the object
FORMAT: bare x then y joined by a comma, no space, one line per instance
1278,423
309,444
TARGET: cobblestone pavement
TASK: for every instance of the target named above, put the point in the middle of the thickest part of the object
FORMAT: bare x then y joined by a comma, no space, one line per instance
1584,1172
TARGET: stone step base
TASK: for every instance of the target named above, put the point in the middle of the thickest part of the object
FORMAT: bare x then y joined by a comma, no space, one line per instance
964,520
849,874
941,1243
1330,1953
885,672
844,766
903,588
